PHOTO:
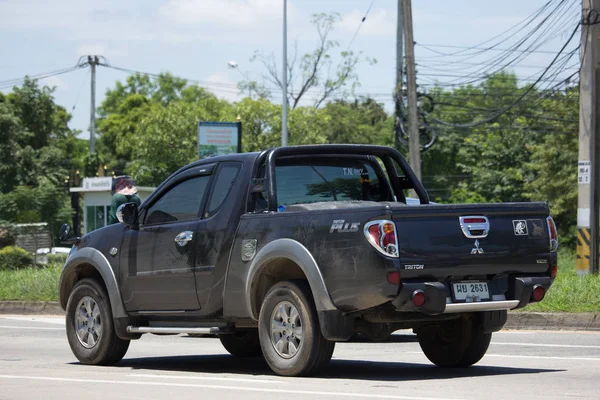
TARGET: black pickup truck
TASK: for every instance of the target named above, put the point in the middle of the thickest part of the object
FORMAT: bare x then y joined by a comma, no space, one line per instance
282,253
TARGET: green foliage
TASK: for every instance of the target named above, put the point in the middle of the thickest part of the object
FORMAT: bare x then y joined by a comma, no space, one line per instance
32,284
58,258
14,257
361,121
570,293
7,236
169,138
38,152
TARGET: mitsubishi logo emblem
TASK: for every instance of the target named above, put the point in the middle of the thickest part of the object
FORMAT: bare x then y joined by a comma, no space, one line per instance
477,249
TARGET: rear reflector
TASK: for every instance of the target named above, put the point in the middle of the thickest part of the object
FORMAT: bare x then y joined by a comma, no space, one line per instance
553,271
418,298
553,235
538,293
393,277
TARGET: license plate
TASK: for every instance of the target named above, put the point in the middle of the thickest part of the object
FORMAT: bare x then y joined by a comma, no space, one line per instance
470,291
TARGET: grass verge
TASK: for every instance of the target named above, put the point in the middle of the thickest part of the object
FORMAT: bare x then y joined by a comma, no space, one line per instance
31,284
570,293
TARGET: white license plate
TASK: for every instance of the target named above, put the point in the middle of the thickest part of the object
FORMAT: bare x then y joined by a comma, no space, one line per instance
471,291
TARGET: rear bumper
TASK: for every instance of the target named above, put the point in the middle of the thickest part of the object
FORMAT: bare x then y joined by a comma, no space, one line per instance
516,293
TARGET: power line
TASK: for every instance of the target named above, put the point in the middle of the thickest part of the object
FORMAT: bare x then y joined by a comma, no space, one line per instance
362,21
516,102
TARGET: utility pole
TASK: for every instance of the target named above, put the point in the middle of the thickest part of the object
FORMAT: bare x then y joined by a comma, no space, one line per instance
589,127
399,64
414,150
93,61
284,101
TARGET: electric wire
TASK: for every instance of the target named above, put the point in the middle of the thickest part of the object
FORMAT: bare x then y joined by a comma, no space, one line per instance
514,103
360,25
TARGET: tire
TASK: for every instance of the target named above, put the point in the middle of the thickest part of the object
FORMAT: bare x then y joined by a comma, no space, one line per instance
100,345
454,344
301,350
242,343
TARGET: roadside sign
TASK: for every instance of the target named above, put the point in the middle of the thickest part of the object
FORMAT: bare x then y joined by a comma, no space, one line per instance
583,172
219,138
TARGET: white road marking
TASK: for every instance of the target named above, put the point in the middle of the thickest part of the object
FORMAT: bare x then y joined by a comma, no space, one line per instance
546,357
34,328
234,388
55,321
573,346
211,378
532,357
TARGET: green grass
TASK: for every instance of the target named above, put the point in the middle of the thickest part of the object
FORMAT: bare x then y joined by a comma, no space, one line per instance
570,293
30,283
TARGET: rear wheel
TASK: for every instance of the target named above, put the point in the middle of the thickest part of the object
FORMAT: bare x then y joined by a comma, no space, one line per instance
290,335
456,343
242,343
90,328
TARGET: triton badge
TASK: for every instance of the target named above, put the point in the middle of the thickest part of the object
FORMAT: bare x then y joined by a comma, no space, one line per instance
477,249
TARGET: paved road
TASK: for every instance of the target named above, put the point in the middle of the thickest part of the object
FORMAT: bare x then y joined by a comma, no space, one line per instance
36,363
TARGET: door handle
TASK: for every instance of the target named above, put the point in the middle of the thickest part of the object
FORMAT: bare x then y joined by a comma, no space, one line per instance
183,238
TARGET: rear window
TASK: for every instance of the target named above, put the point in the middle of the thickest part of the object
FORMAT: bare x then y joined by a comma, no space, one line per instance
317,182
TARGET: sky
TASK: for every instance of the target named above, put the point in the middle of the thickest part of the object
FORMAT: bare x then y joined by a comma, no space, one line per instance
196,39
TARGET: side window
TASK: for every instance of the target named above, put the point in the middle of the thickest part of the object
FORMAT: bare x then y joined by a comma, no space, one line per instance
223,183
181,203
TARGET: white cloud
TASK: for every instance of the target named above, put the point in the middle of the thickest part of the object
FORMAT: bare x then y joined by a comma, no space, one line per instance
380,22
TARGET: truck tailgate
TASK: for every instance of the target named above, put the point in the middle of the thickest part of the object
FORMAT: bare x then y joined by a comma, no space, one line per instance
435,244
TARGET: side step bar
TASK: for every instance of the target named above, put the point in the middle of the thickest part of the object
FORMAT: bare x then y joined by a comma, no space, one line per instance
152,329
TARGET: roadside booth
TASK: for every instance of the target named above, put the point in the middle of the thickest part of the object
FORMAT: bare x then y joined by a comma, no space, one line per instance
96,201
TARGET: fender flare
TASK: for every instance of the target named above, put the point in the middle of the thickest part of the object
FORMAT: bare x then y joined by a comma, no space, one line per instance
93,257
296,252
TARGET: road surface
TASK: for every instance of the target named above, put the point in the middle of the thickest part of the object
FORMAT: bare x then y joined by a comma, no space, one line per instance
36,363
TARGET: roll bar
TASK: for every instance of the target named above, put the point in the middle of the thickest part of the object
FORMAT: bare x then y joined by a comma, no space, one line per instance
386,154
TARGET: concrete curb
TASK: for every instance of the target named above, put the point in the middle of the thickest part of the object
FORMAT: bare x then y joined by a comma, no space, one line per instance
31,307
553,321
516,320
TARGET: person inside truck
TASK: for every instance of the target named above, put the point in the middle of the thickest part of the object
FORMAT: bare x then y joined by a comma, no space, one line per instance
123,191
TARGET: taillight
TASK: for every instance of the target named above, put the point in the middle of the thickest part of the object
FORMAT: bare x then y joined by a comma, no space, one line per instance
538,293
382,235
553,271
552,233
474,220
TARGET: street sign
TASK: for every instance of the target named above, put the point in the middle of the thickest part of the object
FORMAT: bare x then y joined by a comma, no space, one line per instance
219,138
583,172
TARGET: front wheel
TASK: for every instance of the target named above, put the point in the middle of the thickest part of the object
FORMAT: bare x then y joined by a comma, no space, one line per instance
90,328
290,335
456,343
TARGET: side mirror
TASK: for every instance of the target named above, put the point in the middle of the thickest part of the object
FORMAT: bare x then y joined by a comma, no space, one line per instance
128,214
65,233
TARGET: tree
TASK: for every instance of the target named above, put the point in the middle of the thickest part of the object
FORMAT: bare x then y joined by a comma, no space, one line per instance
168,137
361,121
127,105
37,152
315,70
